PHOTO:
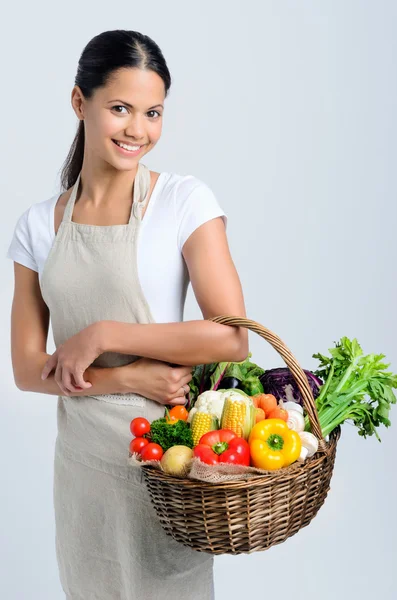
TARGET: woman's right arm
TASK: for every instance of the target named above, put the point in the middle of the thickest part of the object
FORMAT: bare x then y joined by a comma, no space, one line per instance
29,331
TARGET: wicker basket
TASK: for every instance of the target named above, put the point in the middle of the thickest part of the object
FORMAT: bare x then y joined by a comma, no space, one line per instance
247,516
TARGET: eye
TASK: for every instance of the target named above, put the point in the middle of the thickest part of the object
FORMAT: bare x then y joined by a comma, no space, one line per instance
118,106
155,111
150,111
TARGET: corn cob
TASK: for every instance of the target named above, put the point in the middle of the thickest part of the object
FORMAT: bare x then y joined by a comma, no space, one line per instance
202,423
234,416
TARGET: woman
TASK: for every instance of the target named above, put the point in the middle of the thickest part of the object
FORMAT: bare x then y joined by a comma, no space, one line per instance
109,261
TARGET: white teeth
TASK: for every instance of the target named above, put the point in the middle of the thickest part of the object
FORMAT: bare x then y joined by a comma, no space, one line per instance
126,147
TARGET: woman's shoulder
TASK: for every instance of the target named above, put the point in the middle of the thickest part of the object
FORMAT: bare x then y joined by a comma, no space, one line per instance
41,212
194,203
182,185
37,213
37,220
31,233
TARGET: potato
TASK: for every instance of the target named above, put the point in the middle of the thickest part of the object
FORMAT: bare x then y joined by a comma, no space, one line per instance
176,461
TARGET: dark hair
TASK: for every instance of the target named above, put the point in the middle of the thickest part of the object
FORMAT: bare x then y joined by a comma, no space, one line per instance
102,56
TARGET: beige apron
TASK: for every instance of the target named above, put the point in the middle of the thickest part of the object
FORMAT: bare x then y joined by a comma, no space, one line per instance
109,542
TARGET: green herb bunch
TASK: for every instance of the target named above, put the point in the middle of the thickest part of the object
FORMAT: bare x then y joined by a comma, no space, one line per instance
356,387
171,434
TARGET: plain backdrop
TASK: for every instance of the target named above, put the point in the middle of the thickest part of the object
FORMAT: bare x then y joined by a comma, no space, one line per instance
287,110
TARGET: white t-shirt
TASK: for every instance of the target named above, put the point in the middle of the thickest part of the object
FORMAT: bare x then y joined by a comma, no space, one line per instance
179,204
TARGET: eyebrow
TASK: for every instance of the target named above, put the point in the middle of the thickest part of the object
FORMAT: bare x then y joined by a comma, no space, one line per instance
130,105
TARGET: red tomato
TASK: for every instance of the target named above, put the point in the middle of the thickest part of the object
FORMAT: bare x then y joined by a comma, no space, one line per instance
137,444
152,451
139,426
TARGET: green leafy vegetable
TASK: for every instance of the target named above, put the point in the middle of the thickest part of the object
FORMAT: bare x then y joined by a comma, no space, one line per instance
210,376
356,387
252,385
171,434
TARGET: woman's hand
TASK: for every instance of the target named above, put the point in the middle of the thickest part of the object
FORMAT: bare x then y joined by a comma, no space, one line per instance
157,380
72,358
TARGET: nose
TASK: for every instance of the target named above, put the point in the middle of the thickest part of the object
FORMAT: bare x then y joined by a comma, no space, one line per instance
136,129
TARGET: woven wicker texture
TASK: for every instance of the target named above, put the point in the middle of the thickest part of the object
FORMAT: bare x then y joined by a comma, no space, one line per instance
247,516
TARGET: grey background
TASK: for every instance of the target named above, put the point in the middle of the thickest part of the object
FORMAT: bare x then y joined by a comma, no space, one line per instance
287,110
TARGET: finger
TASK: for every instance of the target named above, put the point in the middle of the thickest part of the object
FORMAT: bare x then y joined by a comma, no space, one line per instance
66,375
78,378
58,379
185,389
176,401
185,380
48,368
78,383
182,371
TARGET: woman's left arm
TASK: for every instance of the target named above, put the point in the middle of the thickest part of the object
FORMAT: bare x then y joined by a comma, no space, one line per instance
218,291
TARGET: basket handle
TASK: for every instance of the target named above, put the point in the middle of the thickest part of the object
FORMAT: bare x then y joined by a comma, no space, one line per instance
291,362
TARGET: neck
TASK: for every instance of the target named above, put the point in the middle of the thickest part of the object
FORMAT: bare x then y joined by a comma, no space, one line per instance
100,187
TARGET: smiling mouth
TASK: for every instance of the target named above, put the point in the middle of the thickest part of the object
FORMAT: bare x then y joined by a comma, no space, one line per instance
128,147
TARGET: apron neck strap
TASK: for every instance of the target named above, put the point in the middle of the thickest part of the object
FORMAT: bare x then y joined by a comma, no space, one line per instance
141,192
140,195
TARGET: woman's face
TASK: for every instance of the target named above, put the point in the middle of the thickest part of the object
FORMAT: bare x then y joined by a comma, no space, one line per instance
129,109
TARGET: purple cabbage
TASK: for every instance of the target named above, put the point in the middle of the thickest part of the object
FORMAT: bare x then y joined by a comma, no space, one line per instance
281,383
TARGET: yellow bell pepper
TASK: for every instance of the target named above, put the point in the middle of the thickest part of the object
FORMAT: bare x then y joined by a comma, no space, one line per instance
273,444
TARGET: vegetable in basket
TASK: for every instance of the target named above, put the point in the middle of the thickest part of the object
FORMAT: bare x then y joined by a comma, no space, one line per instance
309,445
209,402
202,422
151,451
137,444
356,387
273,445
239,413
295,420
281,383
252,385
223,446
139,427
259,414
171,434
231,382
278,413
176,461
267,402
176,413
224,375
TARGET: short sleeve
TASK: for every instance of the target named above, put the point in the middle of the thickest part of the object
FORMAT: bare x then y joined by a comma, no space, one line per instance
193,207
20,249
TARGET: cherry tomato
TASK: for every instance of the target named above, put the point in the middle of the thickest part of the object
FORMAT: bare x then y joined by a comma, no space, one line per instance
137,444
139,426
179,412
152,451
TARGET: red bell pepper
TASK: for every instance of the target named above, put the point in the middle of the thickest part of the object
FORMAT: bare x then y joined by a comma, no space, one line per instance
222,446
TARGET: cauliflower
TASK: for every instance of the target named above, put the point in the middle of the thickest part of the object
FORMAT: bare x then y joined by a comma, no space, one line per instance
209,402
